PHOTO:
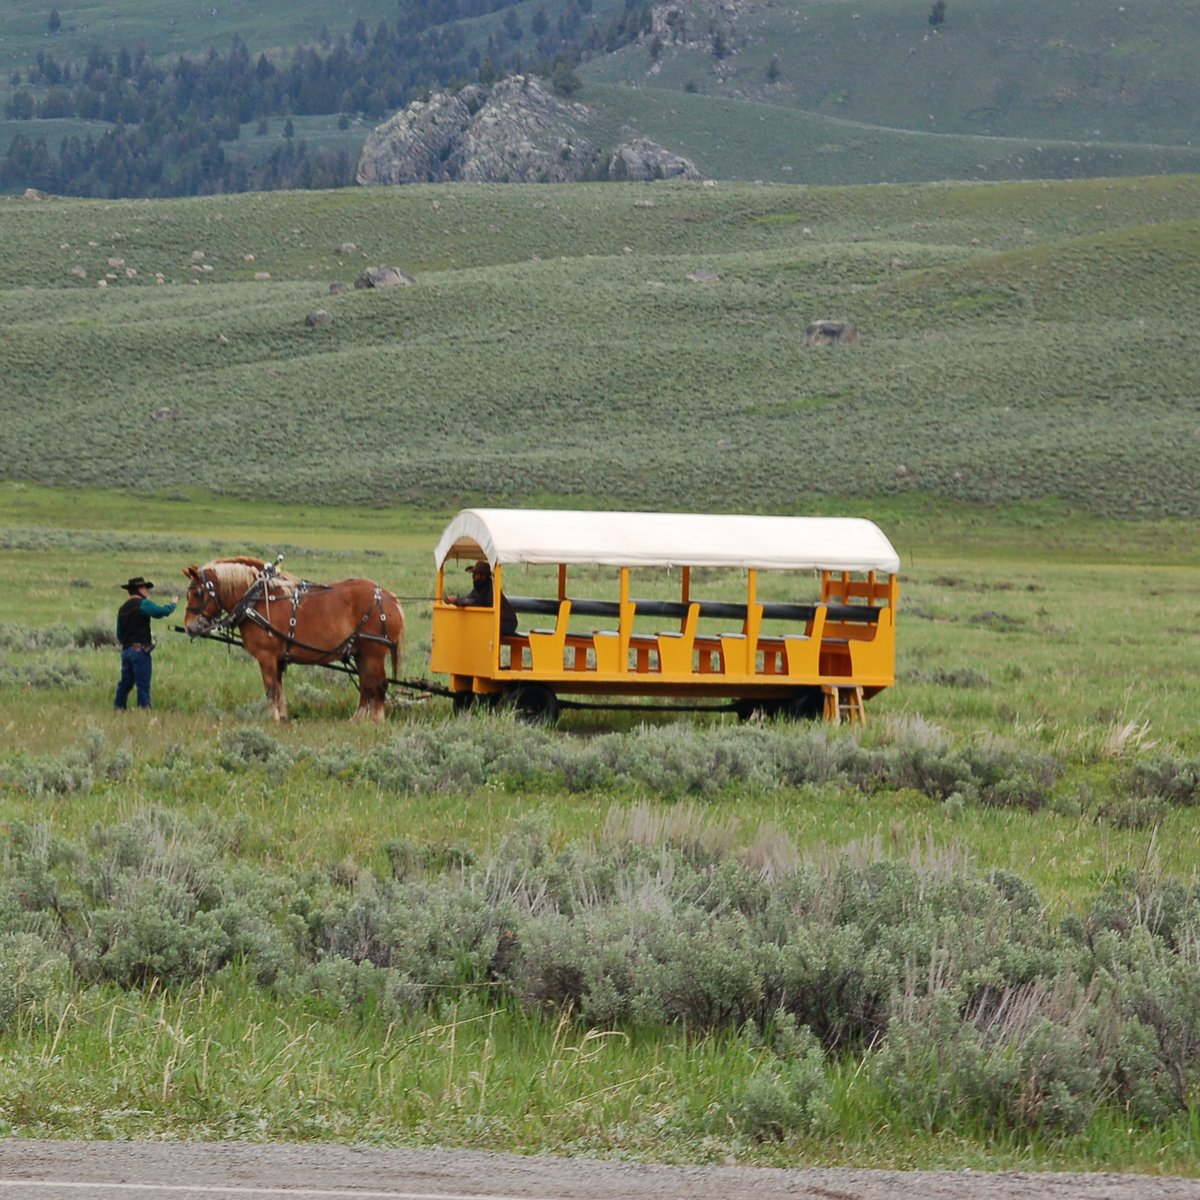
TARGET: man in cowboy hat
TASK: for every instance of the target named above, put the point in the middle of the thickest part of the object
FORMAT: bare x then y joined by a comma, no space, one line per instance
133,632
480,596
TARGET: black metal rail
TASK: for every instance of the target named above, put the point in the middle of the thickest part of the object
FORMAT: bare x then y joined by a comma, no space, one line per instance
708,608
413,685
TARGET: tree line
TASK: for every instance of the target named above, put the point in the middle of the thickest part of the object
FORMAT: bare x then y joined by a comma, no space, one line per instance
170,121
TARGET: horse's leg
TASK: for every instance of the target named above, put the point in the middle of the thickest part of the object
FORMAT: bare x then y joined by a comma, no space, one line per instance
272,677
281,709
372,684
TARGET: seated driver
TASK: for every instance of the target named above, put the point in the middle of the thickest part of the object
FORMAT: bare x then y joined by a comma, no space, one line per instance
480,596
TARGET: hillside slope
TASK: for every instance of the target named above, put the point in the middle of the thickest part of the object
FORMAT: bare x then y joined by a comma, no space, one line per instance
870,92
633,346
1075,71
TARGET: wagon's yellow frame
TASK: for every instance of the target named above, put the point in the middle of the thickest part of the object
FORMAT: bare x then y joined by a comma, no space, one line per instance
790,656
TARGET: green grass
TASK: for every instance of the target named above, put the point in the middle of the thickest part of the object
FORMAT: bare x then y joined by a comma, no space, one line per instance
184,1066
1072,632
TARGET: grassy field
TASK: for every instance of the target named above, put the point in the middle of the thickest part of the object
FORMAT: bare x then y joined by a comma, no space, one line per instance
610,938
1021,631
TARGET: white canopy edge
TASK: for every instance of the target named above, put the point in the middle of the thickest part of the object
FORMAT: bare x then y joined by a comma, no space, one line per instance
641,539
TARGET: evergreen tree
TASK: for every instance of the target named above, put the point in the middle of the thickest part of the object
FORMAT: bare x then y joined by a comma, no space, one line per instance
564,80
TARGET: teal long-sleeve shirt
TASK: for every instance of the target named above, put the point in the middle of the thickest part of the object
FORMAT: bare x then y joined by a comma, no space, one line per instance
150,609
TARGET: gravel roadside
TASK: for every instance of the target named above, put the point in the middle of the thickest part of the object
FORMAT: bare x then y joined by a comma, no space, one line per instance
347,1169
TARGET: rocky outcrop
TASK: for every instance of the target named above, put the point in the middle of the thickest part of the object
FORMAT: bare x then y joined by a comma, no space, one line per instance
415,144
513,132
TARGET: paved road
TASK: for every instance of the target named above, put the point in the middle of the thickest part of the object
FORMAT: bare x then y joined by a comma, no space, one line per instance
50,1170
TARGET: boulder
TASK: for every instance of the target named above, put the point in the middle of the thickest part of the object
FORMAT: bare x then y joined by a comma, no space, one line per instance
378,277
337,288
320,317
642,161
830,333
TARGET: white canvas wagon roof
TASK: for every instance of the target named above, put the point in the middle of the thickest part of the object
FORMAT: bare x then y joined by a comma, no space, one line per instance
637,539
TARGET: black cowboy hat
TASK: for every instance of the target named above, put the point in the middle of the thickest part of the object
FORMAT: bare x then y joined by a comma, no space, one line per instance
136,582
481,565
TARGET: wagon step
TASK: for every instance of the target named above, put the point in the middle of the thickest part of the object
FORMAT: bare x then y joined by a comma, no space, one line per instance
844,702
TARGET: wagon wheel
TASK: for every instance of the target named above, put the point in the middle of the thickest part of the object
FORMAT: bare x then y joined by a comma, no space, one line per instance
755,710
534,703
807,704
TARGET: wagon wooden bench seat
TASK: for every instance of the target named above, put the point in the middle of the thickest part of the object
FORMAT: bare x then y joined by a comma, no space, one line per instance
770,647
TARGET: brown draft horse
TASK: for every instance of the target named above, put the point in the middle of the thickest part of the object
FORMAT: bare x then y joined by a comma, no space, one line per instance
283,619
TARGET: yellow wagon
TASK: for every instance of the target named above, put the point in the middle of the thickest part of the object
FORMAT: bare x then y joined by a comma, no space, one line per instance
632,604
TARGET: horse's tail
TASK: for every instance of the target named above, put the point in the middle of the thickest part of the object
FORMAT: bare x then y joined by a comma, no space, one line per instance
397,647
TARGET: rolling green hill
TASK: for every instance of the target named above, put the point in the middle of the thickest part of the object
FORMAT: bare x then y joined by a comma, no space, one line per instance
1020,342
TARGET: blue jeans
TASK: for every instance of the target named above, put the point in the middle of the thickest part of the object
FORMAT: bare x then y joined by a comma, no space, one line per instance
135,671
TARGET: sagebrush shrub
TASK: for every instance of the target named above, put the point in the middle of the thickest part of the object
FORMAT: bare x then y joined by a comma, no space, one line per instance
154,931
792,1091
1175,781
30,973
442,933
14,636
1038,1071
249,744
359,989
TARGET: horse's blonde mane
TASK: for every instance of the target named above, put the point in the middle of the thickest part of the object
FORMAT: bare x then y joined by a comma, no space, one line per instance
234,576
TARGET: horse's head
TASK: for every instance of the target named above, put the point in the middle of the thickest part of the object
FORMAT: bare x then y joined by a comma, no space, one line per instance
203,601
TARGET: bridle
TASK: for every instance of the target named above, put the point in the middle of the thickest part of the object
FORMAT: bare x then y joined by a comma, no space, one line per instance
204,587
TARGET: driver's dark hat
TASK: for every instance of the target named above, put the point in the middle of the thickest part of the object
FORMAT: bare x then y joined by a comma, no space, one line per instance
135,583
